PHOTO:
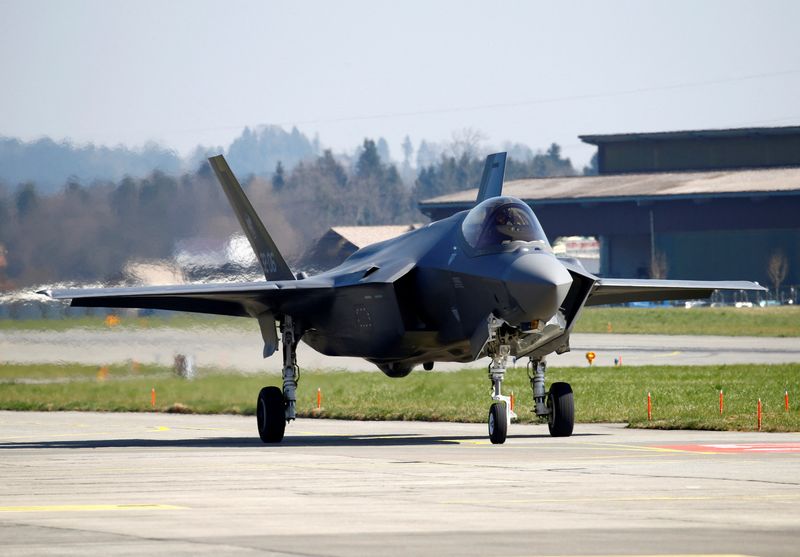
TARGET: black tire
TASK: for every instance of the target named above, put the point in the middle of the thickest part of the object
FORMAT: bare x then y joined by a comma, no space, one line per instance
271,415
561,404
498,423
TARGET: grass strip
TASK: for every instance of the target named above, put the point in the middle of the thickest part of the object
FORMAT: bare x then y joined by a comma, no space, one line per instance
780,321
683,398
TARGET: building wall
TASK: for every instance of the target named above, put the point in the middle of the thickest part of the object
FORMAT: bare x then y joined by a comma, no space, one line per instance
730,254
699,153
625,255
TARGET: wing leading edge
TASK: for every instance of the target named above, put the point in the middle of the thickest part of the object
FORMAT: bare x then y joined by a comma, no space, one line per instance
248,299
618,291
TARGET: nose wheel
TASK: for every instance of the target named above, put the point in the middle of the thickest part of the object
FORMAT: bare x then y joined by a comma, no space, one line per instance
498,423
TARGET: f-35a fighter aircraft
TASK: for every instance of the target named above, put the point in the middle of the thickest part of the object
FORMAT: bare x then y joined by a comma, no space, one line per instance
482,282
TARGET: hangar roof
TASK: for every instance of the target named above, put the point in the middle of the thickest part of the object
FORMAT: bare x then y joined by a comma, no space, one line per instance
361,236
689,134
623,187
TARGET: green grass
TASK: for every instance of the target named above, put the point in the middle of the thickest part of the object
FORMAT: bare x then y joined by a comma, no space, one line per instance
682,398
781,321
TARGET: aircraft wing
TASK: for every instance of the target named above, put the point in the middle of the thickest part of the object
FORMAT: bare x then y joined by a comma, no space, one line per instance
245,299
619,291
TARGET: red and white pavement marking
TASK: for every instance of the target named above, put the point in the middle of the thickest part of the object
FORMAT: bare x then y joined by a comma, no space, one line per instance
737,448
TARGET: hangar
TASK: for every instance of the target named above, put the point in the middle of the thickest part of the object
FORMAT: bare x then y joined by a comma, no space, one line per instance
705,204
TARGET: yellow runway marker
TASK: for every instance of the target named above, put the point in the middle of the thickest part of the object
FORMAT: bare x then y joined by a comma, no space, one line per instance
669,355
469,442
205,428
84,508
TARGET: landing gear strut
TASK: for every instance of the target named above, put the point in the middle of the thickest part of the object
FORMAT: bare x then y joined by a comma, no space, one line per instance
557,405
500,413
291,372
276,408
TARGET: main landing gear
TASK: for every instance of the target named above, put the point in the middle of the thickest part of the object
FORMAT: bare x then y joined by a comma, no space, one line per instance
557,405
275,408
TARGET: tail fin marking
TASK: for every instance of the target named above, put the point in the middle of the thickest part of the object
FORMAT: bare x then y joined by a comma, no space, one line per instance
492,180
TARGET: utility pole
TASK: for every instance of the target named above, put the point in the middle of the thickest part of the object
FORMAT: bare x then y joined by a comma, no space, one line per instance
652,241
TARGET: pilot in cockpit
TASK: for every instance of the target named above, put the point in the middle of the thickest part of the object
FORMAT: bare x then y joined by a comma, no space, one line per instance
499,221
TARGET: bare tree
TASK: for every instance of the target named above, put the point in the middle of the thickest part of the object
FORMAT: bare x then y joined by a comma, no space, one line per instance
777,269
466,143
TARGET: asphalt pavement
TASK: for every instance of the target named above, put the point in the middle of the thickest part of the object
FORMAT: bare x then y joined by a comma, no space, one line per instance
151,484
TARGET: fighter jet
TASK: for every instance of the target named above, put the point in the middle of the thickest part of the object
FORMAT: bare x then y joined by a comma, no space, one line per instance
482,282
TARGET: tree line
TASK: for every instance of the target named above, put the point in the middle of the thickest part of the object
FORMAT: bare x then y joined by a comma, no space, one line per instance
87,233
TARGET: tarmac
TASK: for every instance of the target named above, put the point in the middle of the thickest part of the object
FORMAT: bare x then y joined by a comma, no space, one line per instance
145,484
242,349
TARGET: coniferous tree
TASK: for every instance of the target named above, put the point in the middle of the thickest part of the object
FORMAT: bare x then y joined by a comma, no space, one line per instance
278,179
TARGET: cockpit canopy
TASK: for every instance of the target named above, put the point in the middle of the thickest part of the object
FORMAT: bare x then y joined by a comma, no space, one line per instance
499,221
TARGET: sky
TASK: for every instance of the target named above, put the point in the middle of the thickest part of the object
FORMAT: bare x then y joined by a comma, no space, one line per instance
184,73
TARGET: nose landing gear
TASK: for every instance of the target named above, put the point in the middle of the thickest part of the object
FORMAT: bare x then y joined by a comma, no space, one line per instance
500,413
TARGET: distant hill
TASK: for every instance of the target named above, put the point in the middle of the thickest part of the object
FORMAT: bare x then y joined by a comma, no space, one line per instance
257,151
50,165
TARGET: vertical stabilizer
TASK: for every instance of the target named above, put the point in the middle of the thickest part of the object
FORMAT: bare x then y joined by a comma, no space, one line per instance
272,262
492,180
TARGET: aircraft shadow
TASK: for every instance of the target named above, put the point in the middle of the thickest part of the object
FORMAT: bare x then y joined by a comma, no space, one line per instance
253,442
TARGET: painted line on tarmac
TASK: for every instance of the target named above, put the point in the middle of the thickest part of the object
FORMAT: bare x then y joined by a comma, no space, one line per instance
511,444
668,355
85,508
728,448
665,555
635,448
637,499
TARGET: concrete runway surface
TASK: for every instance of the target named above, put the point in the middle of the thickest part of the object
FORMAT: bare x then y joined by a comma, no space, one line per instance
241,349
144,484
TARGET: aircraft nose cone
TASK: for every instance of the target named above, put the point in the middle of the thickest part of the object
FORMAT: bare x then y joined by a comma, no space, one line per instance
538,283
